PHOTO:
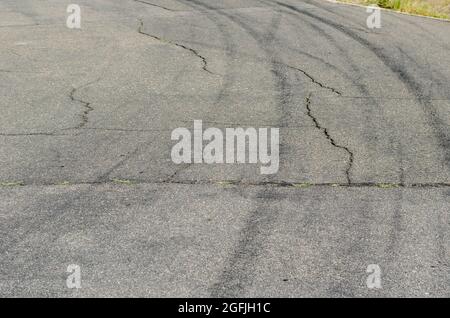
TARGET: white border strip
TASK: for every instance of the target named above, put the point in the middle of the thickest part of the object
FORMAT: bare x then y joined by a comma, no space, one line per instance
389,10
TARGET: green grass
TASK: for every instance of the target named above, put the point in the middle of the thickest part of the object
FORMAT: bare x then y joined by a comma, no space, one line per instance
431,8
302,185
11,183
122,181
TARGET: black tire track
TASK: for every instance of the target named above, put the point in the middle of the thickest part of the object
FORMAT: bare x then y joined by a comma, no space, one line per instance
237,274
228,77
421,96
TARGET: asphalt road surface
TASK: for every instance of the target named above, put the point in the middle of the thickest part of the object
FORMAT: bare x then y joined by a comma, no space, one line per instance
85,141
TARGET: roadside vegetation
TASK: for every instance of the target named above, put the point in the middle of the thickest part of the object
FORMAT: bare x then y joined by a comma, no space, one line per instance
431,8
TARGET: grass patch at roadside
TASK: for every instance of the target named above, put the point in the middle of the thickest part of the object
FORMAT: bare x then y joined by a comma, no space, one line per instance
11,184
430,8
122,181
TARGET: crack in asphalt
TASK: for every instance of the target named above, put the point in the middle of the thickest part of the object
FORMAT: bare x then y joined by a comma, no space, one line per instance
87,105
88,108
313,79
104,177
20,72
129,130
196,53
155,5
171,178
31,134
402,73
126,129
20,25
235,183
331,139
6,71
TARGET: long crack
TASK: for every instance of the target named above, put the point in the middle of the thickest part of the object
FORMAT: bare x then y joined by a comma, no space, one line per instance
331,139
313,80
84,117
86,105
20,72
234,183
29,134
197,54
155,5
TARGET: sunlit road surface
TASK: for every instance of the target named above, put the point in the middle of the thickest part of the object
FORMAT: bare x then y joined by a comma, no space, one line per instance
87,177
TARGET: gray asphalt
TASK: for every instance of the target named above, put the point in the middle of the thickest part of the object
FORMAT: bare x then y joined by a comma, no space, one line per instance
86,174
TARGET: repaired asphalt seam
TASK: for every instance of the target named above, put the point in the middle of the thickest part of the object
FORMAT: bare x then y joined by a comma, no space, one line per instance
237,183
202,58
331,139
